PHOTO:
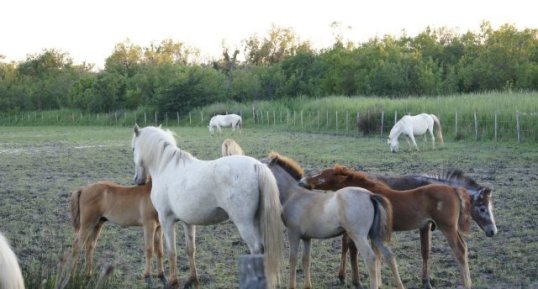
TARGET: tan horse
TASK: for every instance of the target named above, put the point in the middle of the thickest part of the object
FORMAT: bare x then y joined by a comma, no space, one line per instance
317,215
93,205
10,272
447,207
231,147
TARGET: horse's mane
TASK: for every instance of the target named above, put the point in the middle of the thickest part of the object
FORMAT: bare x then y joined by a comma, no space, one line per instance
457,177
345,171
159,145
289,165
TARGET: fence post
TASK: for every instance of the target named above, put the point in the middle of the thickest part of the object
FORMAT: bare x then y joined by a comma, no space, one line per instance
201,117
382,119
475,127
327,119
347,121
274,118
318,119
294,115
518,127
252,272
496,127
456,125
357,121
302,125
336,120
177,114
145,118
156,120
395,116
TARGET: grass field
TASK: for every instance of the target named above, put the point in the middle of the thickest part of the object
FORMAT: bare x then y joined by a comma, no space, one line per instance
39,166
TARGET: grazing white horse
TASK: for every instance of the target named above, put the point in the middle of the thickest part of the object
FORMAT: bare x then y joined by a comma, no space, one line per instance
198,192
228,120
414,125
10,272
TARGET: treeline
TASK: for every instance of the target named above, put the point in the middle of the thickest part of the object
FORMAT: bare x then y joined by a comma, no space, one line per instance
171,77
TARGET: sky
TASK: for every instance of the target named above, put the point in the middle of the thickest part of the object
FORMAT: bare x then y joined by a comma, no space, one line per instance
89,30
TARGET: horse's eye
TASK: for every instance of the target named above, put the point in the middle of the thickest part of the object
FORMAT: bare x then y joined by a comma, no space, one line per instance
482,210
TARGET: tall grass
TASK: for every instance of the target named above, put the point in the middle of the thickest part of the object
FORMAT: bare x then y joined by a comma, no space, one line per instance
466,116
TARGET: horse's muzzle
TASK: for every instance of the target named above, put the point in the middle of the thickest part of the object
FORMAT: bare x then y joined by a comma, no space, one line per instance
490,230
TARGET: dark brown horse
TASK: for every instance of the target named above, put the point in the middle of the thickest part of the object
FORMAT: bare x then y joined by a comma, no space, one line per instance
367,219
447,207
93,205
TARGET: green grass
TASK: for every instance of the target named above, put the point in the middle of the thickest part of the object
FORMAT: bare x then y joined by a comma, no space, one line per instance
39,166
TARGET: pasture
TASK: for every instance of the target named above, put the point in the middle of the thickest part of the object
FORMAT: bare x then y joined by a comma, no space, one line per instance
40,166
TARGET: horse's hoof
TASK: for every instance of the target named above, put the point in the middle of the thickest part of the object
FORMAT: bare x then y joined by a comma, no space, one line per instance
172,285
162,278
357,285
148,281
191,283
426,284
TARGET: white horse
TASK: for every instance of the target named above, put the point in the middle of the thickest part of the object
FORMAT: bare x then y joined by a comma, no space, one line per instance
228,120
10,272
414,125
198,192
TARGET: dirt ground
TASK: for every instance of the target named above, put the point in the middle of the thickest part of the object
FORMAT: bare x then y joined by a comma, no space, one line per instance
39,167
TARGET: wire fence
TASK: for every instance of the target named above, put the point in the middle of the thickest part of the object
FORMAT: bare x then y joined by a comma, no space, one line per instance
516,126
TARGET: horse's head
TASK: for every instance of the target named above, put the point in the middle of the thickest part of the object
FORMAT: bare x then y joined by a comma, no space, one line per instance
328,179
394,144
482,211
140,169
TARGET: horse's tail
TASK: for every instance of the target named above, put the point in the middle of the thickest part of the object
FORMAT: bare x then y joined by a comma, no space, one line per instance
464,222
10,275
74,205
270,221
382,225
438,127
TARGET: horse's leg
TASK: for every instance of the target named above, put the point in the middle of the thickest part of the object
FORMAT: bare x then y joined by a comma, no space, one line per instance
412,137
425,248
90,247
159,252
432,137
219,129
353,254
363,245
294,241
459,248
389,256
170,242
306,263
342,269
190,235
149,236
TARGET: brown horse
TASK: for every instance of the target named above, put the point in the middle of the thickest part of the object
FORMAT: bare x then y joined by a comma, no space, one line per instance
93,205
447,207
231,147
369,218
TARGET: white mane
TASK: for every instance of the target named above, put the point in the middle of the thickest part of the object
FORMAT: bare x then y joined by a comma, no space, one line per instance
158,147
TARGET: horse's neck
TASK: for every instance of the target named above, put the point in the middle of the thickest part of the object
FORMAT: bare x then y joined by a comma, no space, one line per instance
396,130
370,183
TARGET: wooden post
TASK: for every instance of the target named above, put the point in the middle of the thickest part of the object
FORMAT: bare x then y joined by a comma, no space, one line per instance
357,121
302,126
327,119
475,127
347,121
496,126
201,117
456,124
294,115
318,119
518,127
177,115
395,116
274,117
382,119
252,272
336,120
145,118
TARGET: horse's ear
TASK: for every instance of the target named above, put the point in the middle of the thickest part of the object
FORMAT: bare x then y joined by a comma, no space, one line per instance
136,129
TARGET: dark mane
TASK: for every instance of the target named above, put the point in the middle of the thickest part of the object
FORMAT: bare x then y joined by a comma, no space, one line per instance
456,177
289,165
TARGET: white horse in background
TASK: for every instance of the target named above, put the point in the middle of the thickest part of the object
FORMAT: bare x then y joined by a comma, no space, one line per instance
414,125
231,147
228,120
10,272
200,192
